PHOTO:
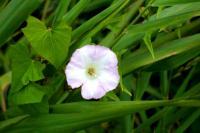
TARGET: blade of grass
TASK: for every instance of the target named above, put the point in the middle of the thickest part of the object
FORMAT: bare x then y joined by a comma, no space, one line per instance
110,39
190,28
97,4
88,25
162,38
153,91
171,110
185,83
12,121
188,121
172,48
148,43
172,2
45,10
142,84
13,15
174,61
136,32
193,92
149,121
61,10
164,82
99,112
5,81
177,114
126,121
174,113
3,4
181,8
102,24
75,11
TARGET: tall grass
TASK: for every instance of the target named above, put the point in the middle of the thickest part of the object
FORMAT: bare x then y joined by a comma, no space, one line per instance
157,43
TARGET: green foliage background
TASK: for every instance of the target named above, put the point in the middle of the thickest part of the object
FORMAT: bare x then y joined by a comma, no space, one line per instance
158,46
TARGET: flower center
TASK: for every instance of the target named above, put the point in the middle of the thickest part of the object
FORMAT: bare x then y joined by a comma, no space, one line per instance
91,71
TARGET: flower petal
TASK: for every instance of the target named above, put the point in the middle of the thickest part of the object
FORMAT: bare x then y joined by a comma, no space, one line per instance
92,90
108,58
109,78
75,70
103,60
80,58
99,55
75,75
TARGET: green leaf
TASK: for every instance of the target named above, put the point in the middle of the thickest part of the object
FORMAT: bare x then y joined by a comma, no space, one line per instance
195,115
75,11
5,81
178,46
97,4
35,108
112,95
20,58
142,84
78,117
185,30
32,93
148,43
84,41
174,61
3,3
54,84
60,10
126,122
84,107
123,21
7,123
171,2
164,84
88,25
32,70
104,22
185,83
180,9
193,92
150,120
33,73
13,15
50,43
137,32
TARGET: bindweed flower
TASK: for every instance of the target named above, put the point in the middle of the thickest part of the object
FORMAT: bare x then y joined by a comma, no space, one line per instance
94,69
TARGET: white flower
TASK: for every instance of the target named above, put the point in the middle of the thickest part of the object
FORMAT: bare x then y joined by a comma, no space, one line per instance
94,69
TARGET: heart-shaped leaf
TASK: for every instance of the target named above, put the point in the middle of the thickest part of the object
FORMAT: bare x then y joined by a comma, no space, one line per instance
50,43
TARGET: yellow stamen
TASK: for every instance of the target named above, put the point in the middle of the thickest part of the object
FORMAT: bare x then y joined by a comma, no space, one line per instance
91,71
